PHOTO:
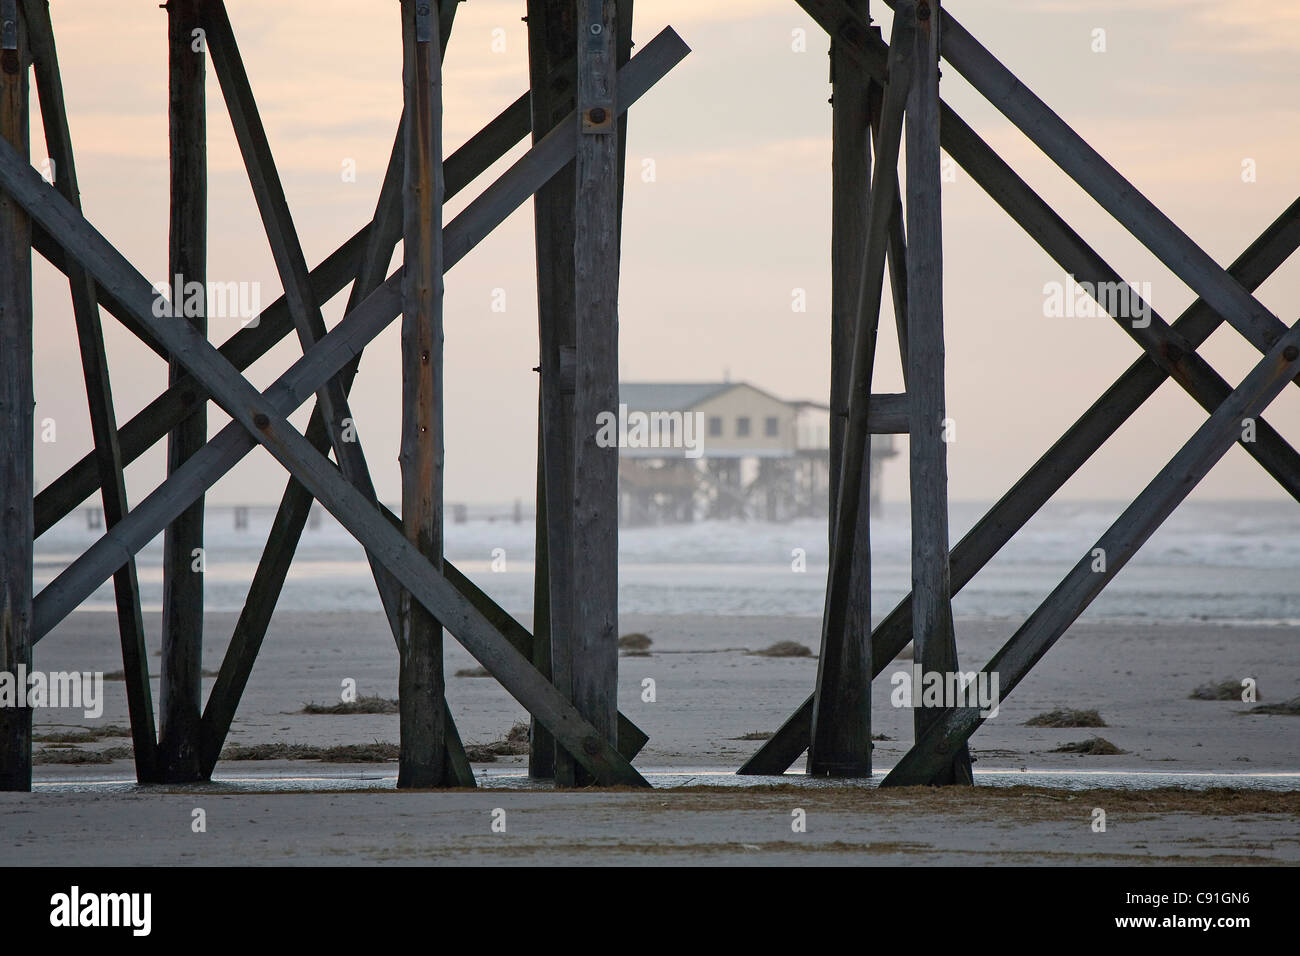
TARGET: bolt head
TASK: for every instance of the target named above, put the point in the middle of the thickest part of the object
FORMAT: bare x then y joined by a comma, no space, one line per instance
1291,353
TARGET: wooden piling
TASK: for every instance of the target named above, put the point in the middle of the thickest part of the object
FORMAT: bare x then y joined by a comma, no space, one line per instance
553,82
103,419
324,361
596,260
180,696
948,732
541,745
1036,487
842,743
17,404
933,639
421,681
249,344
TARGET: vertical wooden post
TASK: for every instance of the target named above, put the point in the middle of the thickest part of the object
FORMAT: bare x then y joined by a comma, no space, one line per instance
934,643
541,744
837,721
595,567
421,680
99,393
17,403
551,44
841,744
182,613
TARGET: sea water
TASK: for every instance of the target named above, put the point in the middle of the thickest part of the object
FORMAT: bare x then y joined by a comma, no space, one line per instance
1223,562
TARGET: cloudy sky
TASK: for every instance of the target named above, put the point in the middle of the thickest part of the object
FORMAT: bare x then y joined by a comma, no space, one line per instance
738,216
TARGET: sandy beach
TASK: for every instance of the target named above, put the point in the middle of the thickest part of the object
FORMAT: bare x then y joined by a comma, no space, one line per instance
709,692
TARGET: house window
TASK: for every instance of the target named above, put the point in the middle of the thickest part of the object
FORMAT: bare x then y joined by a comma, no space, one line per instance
715,426
742,426
772,426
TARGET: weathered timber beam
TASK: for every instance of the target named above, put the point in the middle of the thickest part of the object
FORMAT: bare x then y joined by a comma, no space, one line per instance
421,678
1182,256
843,688
263,416
180,696
1166,346
888,414
341,346
552,76
94,361
593,644
631,738
840,746
934,640
969,151
64,494
17,402
1037,486
295,505
291,263
1131,530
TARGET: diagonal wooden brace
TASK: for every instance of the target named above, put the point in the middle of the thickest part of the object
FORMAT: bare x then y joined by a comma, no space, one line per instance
1121,541
987,537
61,496
1107,186
263,415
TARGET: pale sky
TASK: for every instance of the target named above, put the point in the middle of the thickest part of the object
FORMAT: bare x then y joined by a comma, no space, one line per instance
738,216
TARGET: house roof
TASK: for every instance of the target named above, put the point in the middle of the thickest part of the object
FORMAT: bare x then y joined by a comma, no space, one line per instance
679,396
668,396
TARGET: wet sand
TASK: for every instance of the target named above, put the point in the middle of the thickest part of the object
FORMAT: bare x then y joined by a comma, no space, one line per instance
708,692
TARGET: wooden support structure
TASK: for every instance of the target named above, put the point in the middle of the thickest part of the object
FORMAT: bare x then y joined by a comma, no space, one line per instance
16,412
261,417
841,720
582,81
949,733
1104,183
180,696
541,746
592,649
249,344
1169,350
553,79
843,691
934,643
1037,486
99,394
421,683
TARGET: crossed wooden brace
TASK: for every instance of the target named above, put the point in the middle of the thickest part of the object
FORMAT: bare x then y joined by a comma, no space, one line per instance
261,417
1169,353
